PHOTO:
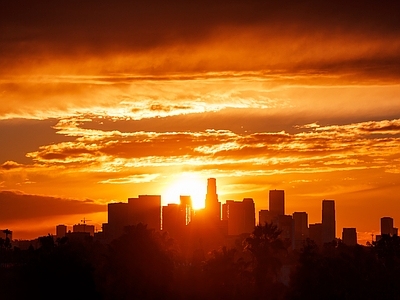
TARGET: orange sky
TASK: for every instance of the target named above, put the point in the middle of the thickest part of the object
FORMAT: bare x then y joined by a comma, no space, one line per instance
105,101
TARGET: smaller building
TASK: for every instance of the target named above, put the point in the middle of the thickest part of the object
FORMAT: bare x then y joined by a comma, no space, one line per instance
315,233
85,228
387,226
61,231
349,236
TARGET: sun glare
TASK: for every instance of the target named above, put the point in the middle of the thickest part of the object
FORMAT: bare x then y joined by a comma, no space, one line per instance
186,184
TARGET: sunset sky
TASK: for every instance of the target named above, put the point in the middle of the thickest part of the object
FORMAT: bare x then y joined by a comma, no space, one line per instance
105,100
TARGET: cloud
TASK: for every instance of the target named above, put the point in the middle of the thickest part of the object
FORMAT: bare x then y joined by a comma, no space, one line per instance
140,178
21,206
180,37
8,165
324,148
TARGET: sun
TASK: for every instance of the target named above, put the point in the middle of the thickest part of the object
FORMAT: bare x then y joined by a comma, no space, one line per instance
186,184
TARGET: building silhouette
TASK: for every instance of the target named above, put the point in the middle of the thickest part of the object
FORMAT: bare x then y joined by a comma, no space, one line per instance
144,209
175,217
285,225
277,202
240,216
300,229
349,236
212,205
61,231
265,216
83,228
387,226
186,208
328,221
315,233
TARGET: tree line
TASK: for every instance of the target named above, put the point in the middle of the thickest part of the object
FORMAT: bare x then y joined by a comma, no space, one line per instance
145,264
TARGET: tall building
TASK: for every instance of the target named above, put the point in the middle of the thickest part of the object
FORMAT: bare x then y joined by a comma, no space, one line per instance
145,209
186,208
328,221
277,202
171,219
212,205
315,233
265,216
175,217
285,224
240,216
387,226
300,229
349,236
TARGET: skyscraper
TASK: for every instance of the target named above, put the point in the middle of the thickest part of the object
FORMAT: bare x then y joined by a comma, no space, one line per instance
145,209
387,226
213,207
328,221
186,209
300,229
277,202
240,216
315,233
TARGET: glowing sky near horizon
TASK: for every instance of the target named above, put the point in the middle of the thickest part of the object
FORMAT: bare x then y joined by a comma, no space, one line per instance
105,101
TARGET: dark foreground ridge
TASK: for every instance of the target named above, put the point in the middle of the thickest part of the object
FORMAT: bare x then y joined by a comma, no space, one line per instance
145,264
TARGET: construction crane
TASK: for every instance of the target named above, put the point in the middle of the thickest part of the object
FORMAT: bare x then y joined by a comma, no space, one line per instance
84,224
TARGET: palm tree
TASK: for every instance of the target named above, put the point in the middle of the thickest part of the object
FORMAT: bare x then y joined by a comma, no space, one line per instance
267,250
7,242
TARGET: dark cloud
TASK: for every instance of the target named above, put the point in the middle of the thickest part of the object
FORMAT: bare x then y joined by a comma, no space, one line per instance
19,206
8,165
47,29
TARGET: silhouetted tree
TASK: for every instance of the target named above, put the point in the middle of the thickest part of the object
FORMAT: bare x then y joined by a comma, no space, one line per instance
137,266
227,276
268,251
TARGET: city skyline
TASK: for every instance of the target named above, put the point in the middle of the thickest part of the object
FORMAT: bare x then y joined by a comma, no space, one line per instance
136,210
101,102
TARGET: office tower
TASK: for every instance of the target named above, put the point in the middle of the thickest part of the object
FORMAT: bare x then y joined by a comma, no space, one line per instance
171,219
61,231
213,207
349,236
277,202
315,233
328,221
240,216
186,208
285,224
387,226
265,216
145,209
300,229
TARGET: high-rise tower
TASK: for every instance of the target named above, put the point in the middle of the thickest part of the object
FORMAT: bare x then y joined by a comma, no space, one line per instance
328,221
386,226
277,202
213,207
